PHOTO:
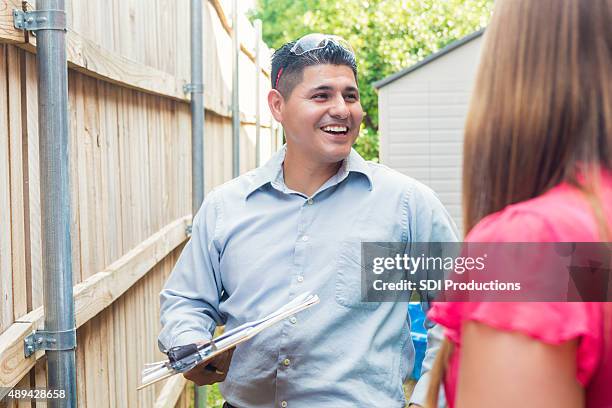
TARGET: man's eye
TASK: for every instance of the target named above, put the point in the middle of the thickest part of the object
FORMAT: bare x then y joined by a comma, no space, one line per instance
319,96
352,97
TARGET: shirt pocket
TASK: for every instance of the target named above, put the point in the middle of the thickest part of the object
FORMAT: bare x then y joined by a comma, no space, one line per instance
353,279
349,277
375,225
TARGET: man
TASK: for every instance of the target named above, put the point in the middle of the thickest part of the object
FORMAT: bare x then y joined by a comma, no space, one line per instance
294,225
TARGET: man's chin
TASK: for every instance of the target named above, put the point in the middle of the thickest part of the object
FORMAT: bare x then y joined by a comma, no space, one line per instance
337,153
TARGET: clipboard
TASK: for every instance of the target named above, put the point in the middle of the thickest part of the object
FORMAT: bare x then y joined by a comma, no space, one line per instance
184,358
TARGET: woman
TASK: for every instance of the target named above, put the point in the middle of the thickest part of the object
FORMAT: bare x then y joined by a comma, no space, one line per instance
537,167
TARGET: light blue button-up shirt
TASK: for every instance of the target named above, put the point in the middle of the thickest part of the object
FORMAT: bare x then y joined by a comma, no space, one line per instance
256,244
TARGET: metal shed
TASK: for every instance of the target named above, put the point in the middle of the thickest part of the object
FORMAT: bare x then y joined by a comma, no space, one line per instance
422,112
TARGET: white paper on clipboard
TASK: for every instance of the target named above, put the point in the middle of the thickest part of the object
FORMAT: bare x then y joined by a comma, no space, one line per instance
160,370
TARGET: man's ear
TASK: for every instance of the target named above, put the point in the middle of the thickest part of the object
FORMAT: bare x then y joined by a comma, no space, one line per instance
276,103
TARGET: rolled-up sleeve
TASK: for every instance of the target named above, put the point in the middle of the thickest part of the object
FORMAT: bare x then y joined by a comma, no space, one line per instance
190,299
429,222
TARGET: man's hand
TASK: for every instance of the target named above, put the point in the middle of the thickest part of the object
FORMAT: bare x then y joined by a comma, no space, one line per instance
212,371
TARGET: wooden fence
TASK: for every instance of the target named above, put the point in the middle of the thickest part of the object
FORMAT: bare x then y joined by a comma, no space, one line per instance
130,173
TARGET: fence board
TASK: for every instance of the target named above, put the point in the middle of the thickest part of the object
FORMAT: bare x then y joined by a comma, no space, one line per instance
7,31
34,257
119,352
17,197
171,392
81,358
94,60
6,276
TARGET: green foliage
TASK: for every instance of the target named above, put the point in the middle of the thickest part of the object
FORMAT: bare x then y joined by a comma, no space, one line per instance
367,144
214,397
387,35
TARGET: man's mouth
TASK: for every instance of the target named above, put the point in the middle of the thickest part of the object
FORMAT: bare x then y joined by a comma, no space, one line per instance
335,130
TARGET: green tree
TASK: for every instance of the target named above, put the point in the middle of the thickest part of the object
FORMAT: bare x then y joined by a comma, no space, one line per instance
387,35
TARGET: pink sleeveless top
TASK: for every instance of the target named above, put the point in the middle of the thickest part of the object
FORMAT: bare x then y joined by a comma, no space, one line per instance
560,215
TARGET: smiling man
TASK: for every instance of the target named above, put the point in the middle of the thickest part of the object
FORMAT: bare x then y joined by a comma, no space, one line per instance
295,225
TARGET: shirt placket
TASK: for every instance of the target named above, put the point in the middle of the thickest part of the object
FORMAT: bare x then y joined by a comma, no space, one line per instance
286,365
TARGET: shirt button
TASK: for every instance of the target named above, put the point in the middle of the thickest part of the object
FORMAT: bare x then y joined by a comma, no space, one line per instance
310,201
305,238
293,320
284,404
286,362
300,279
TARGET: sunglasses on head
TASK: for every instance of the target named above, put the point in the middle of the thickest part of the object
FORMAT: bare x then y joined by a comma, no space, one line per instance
315,41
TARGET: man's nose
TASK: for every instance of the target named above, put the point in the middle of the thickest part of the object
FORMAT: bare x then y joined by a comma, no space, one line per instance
339,109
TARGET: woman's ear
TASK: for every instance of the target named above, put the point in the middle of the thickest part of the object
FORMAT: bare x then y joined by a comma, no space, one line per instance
276,102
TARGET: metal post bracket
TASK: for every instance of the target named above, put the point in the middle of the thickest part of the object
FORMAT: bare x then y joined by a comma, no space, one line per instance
39,20
193,88
47,340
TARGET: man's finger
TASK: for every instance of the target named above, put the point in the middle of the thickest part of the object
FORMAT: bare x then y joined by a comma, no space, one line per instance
211,371
215,369
203,376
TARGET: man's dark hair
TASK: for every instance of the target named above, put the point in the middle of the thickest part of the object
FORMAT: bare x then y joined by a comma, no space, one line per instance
293,65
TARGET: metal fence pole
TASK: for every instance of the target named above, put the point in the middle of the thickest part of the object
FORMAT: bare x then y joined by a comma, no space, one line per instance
235,97
257,93
197,107
55,206
196,89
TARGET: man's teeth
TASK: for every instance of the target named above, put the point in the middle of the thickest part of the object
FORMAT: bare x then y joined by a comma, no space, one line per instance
335,129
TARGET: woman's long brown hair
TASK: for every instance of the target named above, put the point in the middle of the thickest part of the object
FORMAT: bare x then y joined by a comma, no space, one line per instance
540,113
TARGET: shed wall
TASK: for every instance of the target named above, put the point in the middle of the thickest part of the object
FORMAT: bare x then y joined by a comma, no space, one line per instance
422,116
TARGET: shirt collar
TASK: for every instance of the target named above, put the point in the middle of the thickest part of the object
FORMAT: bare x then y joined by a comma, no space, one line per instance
272,171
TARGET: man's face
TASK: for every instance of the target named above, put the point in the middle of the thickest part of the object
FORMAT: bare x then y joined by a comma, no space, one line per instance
323,113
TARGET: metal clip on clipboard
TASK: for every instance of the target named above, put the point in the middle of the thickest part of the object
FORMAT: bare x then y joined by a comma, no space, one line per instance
181,357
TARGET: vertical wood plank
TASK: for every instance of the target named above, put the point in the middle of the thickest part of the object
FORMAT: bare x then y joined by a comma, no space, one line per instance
94,341
167,133
109,350
133,368
91,363
153,129
119,351
34,214
110,173
183,150
16,170
101,358
124,166
114,166
167,20
135,185
23,384
40,373
145,178
91,135
83,149
82,334
6,277
146,399
74,168
102,191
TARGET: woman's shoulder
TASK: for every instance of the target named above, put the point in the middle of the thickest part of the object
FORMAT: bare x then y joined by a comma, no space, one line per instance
561,214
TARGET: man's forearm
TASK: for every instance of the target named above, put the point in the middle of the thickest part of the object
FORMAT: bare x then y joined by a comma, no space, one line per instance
434,341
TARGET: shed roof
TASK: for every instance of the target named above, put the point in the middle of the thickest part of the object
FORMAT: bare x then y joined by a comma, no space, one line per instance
430,58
